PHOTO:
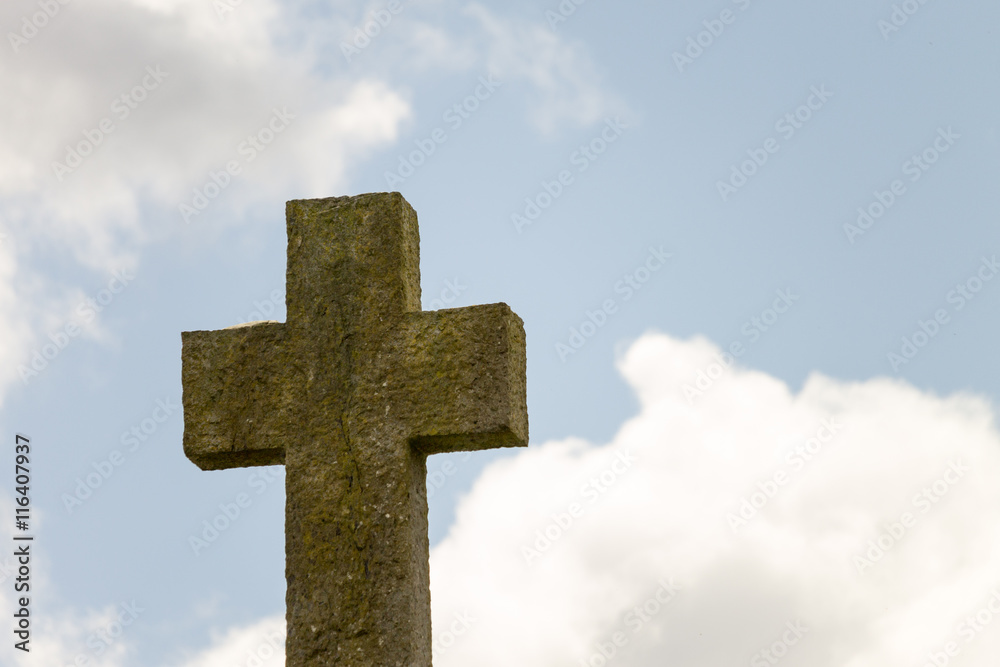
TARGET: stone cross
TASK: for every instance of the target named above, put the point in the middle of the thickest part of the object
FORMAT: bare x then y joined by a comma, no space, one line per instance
352,393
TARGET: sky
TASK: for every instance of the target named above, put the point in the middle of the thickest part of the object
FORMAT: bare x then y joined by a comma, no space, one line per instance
753,245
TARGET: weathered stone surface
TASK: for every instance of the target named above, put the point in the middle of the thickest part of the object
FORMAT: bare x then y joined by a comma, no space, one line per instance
351,394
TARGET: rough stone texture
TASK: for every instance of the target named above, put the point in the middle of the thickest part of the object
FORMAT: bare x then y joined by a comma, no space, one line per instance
351,394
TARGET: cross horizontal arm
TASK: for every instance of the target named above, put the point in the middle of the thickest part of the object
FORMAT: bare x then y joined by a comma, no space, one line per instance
465,379
238,396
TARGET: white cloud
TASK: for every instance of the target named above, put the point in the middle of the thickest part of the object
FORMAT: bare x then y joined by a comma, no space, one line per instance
665,516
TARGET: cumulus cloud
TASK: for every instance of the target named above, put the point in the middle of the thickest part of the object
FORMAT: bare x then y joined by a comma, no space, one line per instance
848,523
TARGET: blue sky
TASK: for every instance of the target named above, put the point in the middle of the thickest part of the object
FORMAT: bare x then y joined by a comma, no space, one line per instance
570,157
